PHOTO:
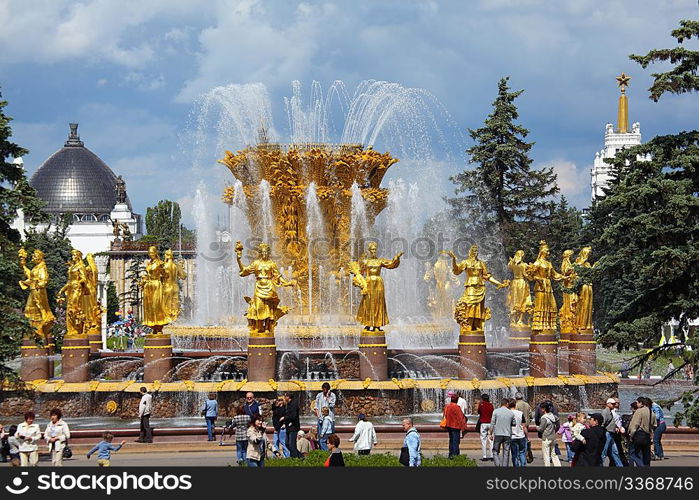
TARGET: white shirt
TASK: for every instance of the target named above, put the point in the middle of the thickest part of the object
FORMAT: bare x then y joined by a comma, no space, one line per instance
517,431
364,436
58,430
28,436
463,405
144,406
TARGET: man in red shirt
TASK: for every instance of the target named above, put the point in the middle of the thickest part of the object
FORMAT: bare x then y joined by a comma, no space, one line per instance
485,414
455,424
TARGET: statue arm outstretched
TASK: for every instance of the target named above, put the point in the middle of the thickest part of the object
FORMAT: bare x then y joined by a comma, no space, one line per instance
393,263
456,268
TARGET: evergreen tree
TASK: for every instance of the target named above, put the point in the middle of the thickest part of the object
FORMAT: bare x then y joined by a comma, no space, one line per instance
112,303
646,230
163,225
503,196
564,230
15,194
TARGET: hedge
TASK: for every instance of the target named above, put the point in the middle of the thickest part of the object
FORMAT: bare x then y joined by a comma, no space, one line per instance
316,458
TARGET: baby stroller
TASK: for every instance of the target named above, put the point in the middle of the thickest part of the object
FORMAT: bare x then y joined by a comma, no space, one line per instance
228,430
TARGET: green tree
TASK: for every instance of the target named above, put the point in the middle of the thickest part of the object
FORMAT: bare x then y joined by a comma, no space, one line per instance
503,196
132,295
112,303
646,230
15,194
564,229
163,225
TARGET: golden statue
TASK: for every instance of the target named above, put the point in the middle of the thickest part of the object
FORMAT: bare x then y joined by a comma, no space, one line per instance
263,310
372,311
583,310
566,314
470,312
174,271
519,299
154,312
36,279
545,307
94,309
76,296
440,299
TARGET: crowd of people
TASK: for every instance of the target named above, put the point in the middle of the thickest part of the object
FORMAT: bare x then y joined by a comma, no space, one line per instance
588,440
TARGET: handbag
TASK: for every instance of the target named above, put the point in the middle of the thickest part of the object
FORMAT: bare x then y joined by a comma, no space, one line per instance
67,452
404,458
641,438
443,423
530,455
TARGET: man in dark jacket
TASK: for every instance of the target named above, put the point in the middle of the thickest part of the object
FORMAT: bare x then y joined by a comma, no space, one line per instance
293,425
595,438
278,418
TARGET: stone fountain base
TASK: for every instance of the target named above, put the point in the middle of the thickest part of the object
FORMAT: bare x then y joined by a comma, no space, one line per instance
395,397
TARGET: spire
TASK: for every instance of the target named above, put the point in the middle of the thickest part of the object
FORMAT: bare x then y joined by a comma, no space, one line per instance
73,137
623,113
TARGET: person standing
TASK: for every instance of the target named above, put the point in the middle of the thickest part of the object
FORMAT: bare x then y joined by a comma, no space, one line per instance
503,420
364,437
547,428
28,433
240,423
455,424
252,407
210,413
325,399
659,431
566,432
459,401
412,443
144,411
257,442
335,459
326,428
526,410
594,439
485,414
610,426
56,435
293,425
518,442
13,442
278,416
619,436
104,449
641,432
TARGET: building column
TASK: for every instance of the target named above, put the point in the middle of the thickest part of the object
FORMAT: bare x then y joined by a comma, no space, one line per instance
102,287
75,358
157,357
543,354
34,363
582,356
373,358
262,358
472,354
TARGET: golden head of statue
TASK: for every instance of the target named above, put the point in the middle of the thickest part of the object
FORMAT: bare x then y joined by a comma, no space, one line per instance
153,252
543,250
264,251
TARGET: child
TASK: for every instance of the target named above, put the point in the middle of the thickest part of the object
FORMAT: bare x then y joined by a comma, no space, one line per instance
567,436
104,449
326,428
14,446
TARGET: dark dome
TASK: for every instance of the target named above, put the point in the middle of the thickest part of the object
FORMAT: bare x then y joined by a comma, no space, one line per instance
74,179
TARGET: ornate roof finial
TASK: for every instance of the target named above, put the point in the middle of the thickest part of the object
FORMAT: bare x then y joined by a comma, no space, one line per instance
73,137
623,112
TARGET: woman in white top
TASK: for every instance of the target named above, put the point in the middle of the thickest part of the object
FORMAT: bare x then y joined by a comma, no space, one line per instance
28,434
56,435
364,437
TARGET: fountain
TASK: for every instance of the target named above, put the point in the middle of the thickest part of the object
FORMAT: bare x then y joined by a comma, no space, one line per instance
317,202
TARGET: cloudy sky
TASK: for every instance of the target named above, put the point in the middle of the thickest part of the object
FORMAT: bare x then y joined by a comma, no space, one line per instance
131,71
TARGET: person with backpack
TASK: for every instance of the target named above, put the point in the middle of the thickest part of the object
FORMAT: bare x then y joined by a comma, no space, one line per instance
641,428
56,435
548,426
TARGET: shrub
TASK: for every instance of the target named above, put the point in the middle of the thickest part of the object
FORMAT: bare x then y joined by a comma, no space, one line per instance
316,458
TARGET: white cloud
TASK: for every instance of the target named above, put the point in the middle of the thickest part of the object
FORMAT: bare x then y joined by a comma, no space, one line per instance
573,181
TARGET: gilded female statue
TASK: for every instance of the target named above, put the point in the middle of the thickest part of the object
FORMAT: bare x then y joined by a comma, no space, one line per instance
36,279
519,299
75,295
372,312
545,307
441,299
567,311
263,309
154,313
470,311
583,311
94,310
174,271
